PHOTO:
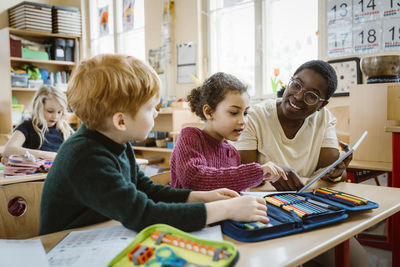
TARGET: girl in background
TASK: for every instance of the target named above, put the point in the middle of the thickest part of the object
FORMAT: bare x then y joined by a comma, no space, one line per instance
204,159
43,134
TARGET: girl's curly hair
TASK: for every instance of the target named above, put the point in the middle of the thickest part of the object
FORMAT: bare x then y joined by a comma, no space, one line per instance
213,91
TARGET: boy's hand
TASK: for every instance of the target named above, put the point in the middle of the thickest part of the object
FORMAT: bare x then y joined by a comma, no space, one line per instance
213,195
272,172
293,182
248,209
244,209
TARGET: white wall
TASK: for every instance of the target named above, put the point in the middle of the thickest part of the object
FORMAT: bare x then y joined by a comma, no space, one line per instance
185,30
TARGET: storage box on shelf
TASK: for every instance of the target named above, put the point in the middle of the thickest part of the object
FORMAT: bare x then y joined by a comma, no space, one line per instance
19,88
169,120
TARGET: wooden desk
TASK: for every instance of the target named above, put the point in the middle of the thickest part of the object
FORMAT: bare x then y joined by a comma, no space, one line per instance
22,179
296,249
373,168
370,165
395,227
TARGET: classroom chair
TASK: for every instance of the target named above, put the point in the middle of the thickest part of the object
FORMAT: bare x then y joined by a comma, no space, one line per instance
20,209
162,178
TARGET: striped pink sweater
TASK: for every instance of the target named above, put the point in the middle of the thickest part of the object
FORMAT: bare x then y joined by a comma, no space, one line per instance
200,162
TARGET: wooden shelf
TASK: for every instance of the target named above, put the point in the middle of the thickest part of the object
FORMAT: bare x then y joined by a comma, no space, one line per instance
23,89
47,62
25,95
33,33
153,148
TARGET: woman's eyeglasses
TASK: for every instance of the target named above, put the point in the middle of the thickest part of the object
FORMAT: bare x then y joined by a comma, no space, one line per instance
310,98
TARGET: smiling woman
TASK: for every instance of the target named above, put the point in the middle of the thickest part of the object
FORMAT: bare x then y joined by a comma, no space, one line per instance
297,130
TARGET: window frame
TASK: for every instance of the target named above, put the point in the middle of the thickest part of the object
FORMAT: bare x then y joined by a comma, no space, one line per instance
261,42
116,35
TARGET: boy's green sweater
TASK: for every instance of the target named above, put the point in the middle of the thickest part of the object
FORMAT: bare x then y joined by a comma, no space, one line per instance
94,179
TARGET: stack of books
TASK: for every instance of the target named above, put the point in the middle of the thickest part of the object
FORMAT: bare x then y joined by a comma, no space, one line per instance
30,16
67,20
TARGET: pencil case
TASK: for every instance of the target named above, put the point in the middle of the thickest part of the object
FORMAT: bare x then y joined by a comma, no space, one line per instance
343,200
291,213
164,245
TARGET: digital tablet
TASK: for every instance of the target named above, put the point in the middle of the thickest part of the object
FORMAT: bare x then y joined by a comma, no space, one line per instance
333,165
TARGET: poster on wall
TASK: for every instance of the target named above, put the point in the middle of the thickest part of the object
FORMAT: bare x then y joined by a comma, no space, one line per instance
340,41
127,18
103,21
391,34
339,12
155,60
362,27
367,10
186,61
367,37
391,9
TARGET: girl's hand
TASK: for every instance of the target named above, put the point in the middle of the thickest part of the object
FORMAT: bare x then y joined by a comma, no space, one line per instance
273,172
213,195
244,209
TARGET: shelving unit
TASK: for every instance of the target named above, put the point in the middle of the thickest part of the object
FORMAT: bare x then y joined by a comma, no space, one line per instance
168,120
43,62
25,95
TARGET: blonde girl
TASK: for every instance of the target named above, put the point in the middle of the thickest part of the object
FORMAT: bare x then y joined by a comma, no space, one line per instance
43,134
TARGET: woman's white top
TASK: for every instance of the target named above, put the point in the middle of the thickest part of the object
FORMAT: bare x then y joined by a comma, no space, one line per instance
264,133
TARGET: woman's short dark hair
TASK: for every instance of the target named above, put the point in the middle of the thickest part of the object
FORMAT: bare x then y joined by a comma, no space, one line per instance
325,70
213,91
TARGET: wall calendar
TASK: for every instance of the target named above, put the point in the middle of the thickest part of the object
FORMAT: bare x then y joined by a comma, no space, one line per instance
357,27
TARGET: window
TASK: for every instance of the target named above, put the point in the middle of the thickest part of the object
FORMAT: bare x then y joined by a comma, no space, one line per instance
252,38
109,34
232,39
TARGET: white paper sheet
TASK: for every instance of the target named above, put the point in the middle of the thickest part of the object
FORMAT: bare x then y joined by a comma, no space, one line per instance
89,248
97,247
22,253
211,233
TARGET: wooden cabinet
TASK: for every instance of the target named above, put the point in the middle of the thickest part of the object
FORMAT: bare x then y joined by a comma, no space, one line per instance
369,112
25,95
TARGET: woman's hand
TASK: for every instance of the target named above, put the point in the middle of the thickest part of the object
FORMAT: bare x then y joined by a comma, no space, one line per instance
244,209
338,174
292,183
213,195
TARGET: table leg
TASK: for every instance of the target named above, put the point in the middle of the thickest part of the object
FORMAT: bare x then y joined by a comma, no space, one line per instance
342,254
395,223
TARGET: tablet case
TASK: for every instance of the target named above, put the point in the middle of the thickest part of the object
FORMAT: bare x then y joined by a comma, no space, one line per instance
291,213
145,242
